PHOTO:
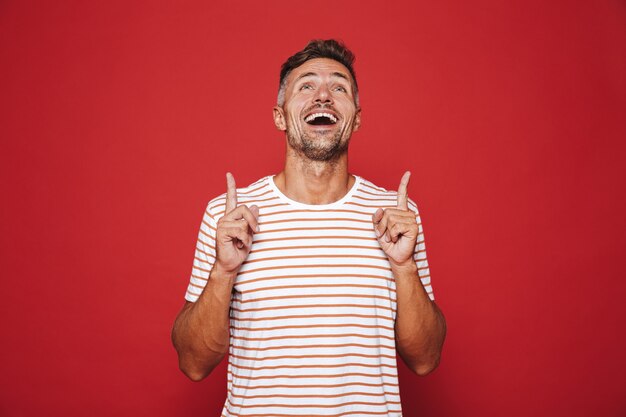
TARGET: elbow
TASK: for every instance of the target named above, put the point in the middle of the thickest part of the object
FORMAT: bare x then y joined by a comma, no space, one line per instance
194,374
196,364
197,370
425,368
421,363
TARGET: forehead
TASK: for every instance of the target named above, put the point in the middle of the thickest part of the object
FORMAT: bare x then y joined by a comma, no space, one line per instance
321,67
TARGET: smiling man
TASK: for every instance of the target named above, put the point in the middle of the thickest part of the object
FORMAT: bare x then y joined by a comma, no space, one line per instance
313,278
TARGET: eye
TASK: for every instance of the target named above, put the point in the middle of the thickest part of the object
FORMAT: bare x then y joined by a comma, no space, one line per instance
341,88
306,87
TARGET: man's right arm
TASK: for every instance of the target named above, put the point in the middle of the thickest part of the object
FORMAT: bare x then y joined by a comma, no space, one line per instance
201,331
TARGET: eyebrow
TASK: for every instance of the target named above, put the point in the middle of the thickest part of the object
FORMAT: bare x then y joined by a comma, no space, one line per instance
314,74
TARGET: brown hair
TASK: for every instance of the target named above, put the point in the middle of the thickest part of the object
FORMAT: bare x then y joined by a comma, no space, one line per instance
317,48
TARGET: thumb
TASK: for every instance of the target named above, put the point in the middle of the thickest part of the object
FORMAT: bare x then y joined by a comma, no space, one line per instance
255,211
377,216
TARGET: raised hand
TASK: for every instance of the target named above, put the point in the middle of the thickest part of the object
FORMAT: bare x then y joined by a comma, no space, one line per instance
396,228
235,230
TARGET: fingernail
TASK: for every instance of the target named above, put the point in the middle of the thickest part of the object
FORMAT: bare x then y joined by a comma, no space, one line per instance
258,228
377,232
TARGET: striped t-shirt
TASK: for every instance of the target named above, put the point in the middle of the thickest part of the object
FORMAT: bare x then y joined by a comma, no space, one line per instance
313,306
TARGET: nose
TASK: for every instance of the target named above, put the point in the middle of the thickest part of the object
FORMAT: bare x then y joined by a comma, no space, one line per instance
323,95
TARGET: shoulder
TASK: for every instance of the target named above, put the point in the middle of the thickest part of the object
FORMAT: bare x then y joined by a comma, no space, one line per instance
367,189
367,186
248,194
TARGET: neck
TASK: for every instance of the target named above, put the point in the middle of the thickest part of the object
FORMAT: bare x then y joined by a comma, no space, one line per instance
314,182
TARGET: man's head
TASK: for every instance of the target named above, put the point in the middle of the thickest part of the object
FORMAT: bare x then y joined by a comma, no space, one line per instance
318,48
318,100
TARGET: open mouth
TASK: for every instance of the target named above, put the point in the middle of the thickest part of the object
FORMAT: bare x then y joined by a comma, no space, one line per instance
321,119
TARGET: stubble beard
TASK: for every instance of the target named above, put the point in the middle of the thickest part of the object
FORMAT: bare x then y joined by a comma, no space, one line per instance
317,149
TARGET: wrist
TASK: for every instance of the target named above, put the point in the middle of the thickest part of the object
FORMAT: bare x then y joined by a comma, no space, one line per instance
220,273
409,267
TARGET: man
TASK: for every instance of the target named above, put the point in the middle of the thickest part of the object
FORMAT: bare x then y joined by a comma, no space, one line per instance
312,278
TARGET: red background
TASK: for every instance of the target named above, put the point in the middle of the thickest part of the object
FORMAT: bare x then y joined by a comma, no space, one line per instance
118,122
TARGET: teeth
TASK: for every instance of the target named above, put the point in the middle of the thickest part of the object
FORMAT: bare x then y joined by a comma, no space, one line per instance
316,115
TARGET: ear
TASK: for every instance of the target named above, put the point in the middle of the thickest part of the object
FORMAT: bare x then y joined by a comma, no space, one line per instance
357,120
279,118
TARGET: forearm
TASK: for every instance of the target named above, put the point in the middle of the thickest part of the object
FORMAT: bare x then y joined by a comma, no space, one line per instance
420,325
201,330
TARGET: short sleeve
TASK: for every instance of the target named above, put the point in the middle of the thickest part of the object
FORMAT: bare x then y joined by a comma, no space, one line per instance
204,257
420,254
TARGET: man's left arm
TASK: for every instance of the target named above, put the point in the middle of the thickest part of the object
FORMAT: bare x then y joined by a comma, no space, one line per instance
420,325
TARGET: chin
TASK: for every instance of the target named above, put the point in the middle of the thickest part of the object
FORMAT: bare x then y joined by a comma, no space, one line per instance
324,154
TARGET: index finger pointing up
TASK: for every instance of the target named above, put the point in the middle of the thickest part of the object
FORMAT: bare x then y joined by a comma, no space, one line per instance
403,193
231,193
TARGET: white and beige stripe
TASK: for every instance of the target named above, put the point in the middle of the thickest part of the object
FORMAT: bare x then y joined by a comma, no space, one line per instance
313,306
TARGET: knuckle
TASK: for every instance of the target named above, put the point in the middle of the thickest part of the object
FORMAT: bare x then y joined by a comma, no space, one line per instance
223,226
